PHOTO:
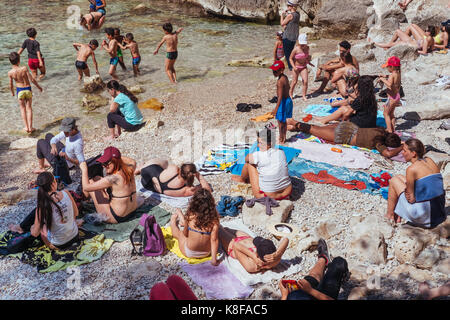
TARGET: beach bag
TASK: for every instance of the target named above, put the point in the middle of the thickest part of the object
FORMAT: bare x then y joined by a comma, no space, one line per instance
147,238
95,168
61,170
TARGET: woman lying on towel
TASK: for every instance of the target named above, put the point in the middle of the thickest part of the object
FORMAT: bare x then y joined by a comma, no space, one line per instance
266,170
254,254
388,144
114,196
418,198
161,177
199,237
54,219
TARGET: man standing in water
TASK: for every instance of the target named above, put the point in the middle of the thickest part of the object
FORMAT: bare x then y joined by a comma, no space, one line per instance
23,89
111,48
84,51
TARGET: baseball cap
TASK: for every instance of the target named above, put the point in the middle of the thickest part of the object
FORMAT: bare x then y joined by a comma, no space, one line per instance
108,154
277,65
280,33
303,38
392,62
67,124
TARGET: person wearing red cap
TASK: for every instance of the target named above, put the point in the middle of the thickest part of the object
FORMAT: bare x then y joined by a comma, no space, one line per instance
283,109
117,204
393,83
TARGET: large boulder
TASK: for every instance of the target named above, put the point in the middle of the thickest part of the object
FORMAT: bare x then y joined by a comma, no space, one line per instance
257,216
434,108
403,52
427,258
327,229
23,144
408,271
410,241
93,101
363,52
370,225
371,248
428,12
93,84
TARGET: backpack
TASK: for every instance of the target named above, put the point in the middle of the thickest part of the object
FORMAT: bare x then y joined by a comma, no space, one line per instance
61,170
148,237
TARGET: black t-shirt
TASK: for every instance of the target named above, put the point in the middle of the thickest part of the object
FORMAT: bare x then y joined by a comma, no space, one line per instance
364,118
32,47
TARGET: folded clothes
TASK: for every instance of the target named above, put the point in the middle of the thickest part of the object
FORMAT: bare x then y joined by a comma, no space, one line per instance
263,118
230,206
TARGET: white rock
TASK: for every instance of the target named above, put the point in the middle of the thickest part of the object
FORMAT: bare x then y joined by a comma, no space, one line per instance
257,214
410,241
406,270
369,248
427,258
327,229
24,143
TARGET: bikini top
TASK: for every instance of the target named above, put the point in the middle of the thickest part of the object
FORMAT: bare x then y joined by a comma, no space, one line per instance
438,39
165,185
300,56
198,231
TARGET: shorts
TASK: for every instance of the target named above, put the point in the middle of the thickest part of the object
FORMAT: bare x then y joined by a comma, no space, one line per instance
81,65
114,61
24,93
102,11
344,132
285,110
136,61
172,55
34,63
119,53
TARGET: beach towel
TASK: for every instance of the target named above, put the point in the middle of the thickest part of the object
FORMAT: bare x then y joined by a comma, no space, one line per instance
172,245
175,202
236,169
217,282
349,158
219,159
121,231
298,167
91,247
285,268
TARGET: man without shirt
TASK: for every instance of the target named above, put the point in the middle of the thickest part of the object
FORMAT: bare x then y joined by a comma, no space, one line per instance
84,51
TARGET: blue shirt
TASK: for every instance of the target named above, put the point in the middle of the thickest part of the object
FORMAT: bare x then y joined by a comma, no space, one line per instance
129,109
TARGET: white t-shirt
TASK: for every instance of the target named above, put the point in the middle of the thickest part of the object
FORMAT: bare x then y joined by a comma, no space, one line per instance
63,229
273,170
73,147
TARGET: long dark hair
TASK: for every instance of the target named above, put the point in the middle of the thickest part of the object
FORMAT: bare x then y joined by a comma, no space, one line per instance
113,84
366,94
44,200
202,210
187,172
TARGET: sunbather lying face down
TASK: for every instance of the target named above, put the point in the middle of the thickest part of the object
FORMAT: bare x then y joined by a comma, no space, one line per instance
348,133
254,254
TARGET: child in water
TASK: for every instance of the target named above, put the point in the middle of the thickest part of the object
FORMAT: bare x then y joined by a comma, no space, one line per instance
134,49
393,83
111,48
23,90
120,40
35,58
278,51
171,40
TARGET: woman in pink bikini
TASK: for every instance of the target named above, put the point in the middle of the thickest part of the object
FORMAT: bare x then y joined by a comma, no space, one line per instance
300,58
254,254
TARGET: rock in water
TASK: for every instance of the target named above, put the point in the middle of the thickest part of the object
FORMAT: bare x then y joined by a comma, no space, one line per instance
152,103
136,89
92,84
24,143
259,62
93,101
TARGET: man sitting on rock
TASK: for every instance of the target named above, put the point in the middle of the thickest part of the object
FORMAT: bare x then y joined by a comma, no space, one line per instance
331,66
267,170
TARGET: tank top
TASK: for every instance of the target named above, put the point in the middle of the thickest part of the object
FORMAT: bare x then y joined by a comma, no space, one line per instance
63,229
280,52
292,28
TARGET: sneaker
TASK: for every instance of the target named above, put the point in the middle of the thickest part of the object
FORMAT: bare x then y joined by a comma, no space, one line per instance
322,250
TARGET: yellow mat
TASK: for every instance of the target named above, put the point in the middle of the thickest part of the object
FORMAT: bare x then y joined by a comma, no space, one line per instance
172,245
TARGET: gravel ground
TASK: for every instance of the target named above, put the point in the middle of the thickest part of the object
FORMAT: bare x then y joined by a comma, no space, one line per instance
117,275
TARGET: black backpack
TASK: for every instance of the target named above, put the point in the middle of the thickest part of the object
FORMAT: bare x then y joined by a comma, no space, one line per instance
61,170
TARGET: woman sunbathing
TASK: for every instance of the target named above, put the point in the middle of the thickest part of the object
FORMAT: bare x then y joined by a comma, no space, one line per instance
388,144
199,237
418,198
414,36
161,177
254,254
441,39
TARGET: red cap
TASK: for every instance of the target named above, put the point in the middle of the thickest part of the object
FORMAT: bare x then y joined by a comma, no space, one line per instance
392,62
108,154
277,65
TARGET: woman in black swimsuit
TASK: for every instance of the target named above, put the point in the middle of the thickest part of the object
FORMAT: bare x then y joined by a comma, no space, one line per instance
161,177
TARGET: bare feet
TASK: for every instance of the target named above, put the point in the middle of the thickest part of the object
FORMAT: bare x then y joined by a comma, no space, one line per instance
15,228
305,98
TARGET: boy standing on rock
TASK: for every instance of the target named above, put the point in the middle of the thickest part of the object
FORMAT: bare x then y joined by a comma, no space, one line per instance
84,51
171,40
283,110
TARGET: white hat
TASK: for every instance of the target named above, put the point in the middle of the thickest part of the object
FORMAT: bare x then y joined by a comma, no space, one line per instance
303,38
293,3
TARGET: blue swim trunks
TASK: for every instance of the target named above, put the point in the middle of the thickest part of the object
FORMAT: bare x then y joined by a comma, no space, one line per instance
114,61
285,110
136,61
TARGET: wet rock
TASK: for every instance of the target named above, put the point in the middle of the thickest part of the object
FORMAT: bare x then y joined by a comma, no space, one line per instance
369,248
410,241
152,103
24,143
260,62
257,214
142,9
93,101
136,89
214,33
93,84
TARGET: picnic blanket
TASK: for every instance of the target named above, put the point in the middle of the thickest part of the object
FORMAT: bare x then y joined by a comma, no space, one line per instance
349,158
176,202
320,110
217,282
300,167
172,245
91,247
121,231
236,169
284,268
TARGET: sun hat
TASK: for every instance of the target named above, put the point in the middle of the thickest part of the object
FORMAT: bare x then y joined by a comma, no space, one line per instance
108,154
392,62
293,3
303,38
67,124
277,65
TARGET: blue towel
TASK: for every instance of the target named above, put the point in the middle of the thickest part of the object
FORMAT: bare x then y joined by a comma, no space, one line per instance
236,169
429,187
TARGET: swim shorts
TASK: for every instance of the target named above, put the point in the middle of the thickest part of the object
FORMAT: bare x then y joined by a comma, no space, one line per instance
34,63
285,110
81,65
136,61
24,93
114,61
172,55
119,52
344,132
102,11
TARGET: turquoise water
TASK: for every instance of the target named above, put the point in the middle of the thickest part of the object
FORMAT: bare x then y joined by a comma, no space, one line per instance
205,46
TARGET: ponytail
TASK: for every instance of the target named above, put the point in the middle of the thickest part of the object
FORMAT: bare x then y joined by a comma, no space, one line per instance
113,84
44,200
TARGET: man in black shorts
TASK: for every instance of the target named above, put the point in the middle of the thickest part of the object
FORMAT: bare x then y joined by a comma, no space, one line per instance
84,51
319,284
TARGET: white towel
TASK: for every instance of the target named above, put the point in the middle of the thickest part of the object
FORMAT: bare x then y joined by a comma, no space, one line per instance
176,202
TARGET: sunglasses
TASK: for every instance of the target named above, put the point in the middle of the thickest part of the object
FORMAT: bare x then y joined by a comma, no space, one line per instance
106,164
